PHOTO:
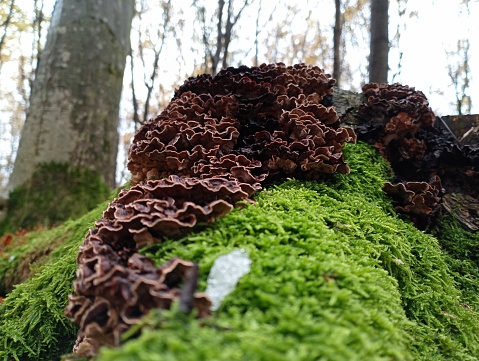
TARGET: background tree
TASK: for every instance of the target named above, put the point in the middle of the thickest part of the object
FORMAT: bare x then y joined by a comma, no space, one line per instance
296,35
18,25
459,70
66,158
379,45
151,44
337,31
73,114
218,31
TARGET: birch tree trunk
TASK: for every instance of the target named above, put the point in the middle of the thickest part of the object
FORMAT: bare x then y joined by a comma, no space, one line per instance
379,46
73,114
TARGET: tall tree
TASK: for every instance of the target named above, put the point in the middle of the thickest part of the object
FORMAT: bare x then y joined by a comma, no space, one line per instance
73,114
459,70
337,30
379,44
217,32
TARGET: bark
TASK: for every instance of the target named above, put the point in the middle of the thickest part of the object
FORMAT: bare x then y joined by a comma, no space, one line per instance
73,114
379,46
337,42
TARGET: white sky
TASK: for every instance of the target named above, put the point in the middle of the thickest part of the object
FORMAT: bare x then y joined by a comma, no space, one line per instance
435,30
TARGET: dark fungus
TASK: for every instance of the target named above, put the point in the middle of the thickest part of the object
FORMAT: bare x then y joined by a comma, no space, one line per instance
215,144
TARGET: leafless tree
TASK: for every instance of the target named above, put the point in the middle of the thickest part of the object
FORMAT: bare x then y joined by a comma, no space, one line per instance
379,44
337,31
5,24
156,47
218,31
459,70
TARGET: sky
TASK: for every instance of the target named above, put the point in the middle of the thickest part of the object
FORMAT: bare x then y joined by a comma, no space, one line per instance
427,37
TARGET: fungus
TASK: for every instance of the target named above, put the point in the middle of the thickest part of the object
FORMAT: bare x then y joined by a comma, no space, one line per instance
217,142
398,120
270,114
119,297
421,200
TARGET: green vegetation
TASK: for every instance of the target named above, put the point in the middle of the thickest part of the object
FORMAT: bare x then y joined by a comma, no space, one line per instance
461,252
32,324
52,195
336,275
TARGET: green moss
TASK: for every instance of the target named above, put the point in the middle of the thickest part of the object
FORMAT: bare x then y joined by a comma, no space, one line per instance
32,324
336,275
51,196
17,262
461,251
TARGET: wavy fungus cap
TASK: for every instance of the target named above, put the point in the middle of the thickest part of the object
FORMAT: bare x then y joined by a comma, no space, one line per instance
272,115
421,200
213,146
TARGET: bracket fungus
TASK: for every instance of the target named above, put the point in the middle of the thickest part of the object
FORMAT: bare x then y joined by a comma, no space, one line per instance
217,142
419,199
399,121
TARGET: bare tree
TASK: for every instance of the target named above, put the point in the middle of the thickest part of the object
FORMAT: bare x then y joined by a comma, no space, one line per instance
299,38
155,45
459,72
379,44
5,25
220,28
337,30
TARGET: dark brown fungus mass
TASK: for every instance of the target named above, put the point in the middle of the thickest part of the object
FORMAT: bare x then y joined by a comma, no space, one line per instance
269,120
399,121
421,200
217,142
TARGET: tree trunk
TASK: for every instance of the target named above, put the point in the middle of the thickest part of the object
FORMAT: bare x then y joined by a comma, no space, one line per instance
337,42
379,46
73,115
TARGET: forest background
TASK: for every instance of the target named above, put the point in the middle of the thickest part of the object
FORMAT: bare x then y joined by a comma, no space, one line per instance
431,47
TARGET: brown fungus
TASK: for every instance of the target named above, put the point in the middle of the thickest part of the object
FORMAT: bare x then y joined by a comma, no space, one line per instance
421,200
214,145
272,114
120,298
398,121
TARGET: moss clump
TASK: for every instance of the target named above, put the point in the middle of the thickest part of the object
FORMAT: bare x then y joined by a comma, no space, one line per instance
19,261
32,324
336,275
52,195
461,251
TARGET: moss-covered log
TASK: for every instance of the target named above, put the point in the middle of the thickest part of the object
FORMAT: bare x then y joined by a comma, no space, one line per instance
336,275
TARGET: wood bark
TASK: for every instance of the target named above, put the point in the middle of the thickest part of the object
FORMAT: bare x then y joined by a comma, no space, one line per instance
337,30
73,114
379,45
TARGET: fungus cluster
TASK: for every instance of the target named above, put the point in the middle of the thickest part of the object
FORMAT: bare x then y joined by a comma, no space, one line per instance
256,122
422,153
217,142
392,115
419,199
